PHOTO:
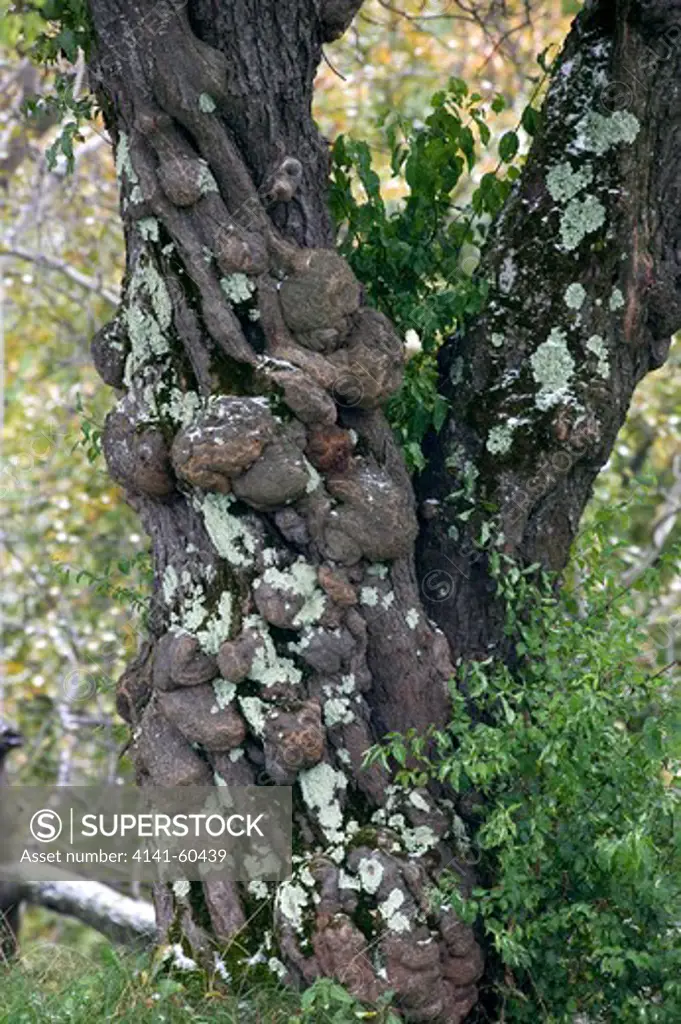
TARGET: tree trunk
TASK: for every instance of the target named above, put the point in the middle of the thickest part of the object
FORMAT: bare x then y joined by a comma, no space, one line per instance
584,283
248,435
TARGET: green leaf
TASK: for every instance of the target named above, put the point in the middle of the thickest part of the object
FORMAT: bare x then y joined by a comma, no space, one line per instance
508,146
66,41
530,120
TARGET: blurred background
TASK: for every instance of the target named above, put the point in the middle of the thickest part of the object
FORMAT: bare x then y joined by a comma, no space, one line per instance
74,562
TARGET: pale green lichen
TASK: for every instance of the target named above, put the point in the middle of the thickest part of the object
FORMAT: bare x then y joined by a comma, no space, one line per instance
206,103
268,556
378,569
320,787
148,228
224,692
277,968
507,275
299,579
237,287
553,368
146,330
125,169
563,182
369,596
123,160
269,668
230,535
180,960
389,909
500,439
616,300
347,685
417,841
314,480
181,888
337,711
412,618
169,583
497,340
598,133
159,295
306,877
207,182
291,901
254,712
575,294
597,346
582,217
370,872
192,612
258,888
182,406
418,801
218,626
347,881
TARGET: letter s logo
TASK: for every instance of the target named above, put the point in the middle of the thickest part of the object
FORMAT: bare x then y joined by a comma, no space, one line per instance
45,826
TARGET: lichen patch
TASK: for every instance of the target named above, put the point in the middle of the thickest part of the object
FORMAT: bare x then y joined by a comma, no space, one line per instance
553,368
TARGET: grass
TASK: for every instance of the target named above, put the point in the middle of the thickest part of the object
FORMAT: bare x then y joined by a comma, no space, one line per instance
56,984
69,974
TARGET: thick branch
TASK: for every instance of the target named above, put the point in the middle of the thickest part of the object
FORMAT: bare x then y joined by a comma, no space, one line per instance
584,295
118,917
336,16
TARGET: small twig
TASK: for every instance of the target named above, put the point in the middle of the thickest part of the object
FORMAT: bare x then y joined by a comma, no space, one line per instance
52,263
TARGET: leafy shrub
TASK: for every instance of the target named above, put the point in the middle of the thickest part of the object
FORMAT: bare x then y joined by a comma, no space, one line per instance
416,257
572,761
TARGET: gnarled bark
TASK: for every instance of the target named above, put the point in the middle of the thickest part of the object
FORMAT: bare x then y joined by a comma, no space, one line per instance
249,436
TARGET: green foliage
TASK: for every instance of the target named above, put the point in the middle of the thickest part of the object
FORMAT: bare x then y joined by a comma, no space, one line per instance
328,1001
61,985
416,256
572,759
91,432
62,104
69,31
19,26
135,597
